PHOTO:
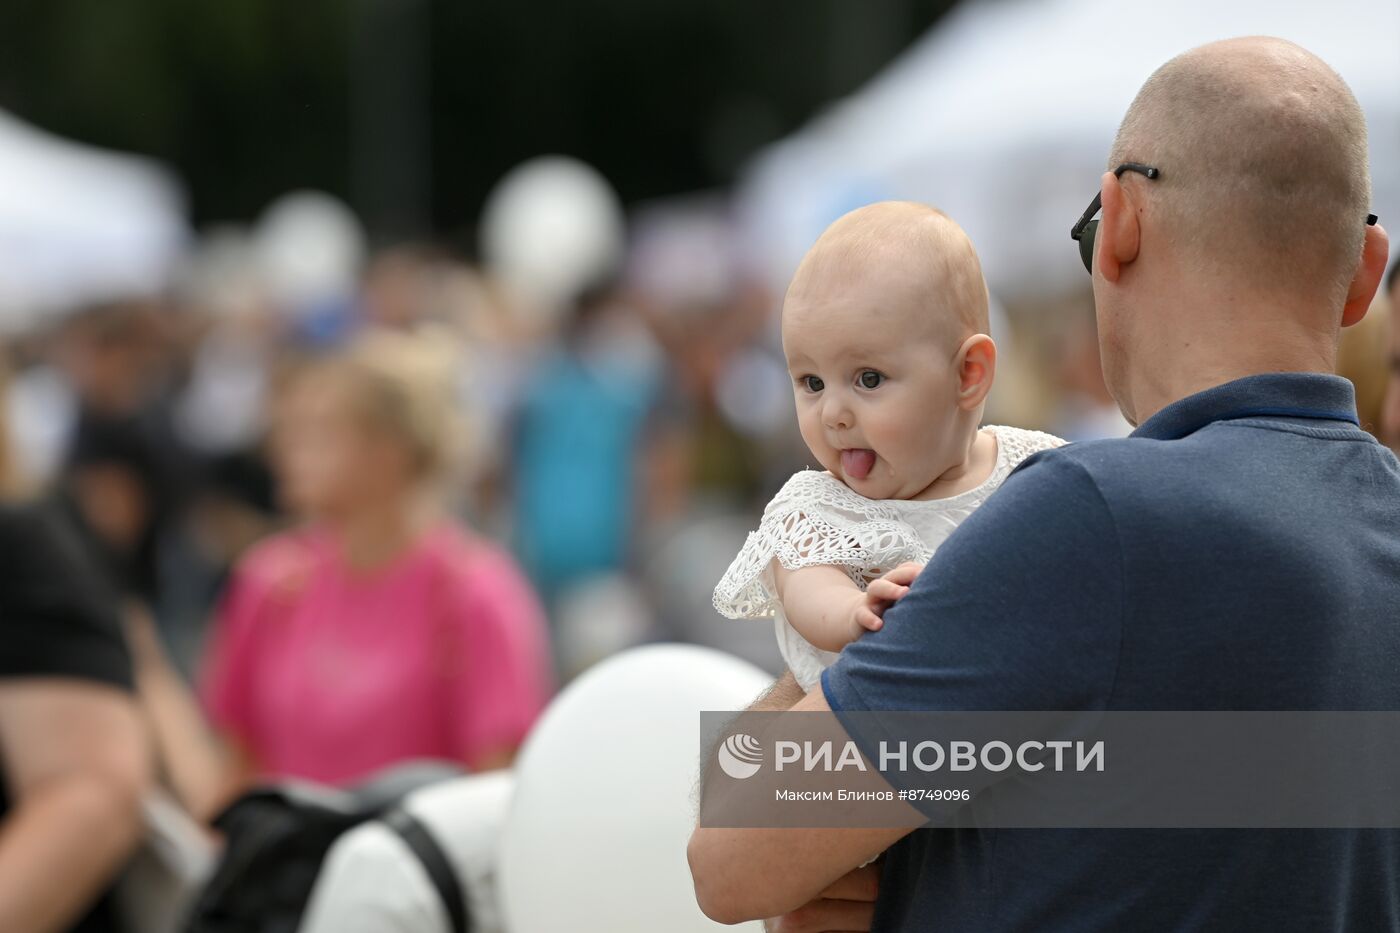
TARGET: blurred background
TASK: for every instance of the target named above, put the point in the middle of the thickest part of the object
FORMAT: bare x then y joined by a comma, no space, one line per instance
595,207
274,274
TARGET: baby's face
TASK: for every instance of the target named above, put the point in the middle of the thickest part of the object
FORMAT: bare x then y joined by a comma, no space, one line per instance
874,377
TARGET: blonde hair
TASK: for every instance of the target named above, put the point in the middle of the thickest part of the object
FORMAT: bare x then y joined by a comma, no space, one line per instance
406,384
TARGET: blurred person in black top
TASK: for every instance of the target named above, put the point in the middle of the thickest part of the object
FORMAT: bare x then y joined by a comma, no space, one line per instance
74,755
126,469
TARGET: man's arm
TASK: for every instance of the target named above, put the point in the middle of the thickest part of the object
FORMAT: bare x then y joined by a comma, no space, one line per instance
783,695
849,902
754,873
848,906
76,765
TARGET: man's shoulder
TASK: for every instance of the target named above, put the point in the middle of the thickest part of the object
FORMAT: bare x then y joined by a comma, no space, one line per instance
1096,457
1111,465
1131,481
1071,465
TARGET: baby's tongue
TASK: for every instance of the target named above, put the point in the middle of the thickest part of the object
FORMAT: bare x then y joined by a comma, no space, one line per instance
857,463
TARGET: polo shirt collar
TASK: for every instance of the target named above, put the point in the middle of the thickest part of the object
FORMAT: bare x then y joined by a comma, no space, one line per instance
1281,395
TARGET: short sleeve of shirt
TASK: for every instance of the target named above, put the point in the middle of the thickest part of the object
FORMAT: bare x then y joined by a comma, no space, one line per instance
502,679
815,520
272,570
57,617
224,678
1021,609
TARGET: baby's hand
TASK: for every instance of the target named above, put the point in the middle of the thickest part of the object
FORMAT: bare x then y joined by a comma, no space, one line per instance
882,593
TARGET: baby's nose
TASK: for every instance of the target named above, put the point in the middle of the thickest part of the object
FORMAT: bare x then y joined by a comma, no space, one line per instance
836,414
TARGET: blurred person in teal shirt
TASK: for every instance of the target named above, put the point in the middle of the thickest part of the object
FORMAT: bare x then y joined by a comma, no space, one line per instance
577,446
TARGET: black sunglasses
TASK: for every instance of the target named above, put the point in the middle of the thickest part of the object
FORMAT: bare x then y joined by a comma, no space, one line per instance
1084,229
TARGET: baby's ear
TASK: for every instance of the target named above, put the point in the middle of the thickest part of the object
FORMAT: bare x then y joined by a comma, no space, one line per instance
977,365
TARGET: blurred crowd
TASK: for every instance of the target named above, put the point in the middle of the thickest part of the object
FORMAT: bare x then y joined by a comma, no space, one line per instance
563,440
613,428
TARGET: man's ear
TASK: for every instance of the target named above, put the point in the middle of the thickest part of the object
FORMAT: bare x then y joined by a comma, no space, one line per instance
1118,236
977,366
1374,254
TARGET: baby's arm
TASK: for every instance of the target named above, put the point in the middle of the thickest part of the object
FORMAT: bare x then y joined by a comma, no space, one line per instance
826,607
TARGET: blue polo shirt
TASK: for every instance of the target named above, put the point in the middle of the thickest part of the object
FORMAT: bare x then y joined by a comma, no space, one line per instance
1240,551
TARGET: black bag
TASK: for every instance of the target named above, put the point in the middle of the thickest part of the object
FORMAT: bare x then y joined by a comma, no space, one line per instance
277,838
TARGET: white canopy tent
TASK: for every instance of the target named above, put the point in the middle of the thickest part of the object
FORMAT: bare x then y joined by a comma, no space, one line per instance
78,224
1003,115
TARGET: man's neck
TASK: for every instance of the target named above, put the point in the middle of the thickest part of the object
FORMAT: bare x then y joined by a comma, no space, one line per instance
1191,360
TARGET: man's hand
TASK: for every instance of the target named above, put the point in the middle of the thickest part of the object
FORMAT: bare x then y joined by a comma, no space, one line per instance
882,593
847,905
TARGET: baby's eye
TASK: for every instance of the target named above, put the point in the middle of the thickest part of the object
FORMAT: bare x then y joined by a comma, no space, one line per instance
813,383
870,379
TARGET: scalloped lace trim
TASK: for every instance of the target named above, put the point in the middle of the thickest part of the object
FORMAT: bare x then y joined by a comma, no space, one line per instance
816,520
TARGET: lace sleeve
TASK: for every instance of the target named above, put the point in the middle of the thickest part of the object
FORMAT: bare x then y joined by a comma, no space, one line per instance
1020,443
814,520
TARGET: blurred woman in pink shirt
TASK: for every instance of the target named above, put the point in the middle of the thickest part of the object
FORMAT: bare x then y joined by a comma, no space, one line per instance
381,631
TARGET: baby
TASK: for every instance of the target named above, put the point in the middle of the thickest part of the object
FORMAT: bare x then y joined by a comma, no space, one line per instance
885,332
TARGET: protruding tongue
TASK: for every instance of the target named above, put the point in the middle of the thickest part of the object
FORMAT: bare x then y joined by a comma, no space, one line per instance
857,463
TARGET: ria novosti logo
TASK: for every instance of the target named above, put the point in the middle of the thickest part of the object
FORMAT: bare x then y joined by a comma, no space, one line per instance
740,756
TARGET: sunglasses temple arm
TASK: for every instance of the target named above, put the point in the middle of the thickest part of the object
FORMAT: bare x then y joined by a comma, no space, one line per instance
1078,229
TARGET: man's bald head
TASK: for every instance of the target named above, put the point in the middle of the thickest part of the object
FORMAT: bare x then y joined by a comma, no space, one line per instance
1262,148
910,248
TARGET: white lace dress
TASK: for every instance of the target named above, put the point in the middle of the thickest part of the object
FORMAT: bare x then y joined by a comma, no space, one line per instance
816,519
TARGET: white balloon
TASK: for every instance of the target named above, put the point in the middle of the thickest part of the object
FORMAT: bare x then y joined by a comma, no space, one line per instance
605,795
309,249
551,227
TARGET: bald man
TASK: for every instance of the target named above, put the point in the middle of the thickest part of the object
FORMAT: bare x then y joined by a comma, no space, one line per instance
1238,552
